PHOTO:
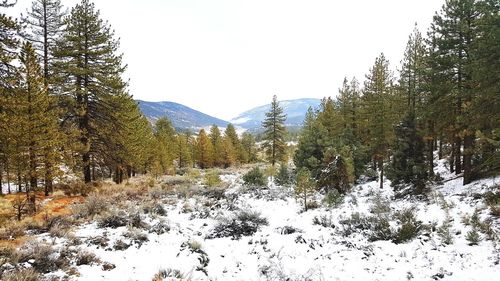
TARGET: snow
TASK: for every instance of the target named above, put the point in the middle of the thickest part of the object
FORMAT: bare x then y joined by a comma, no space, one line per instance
240,120
316,252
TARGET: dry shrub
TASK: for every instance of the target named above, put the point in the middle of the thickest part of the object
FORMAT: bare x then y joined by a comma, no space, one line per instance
28,274
94,205
12,230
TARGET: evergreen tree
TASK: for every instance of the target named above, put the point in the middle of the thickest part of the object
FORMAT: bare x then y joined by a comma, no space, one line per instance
9,45
90,67
456,29
305,185
249,149
204,150
46,25
184,155
165,135
338,171
229,153
379,112
230,132
218,146
408,161
274,133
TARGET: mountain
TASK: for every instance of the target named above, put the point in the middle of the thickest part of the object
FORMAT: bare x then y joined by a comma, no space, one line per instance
294,109
181,116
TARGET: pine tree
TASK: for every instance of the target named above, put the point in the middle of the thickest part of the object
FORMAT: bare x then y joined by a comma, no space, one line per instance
165,135
9,45
218,146
310,149
378,112
86,58
249,149
305,185
46,26
455,29
229,153
338,171
230,132
184,155
204,150
408,161
274,133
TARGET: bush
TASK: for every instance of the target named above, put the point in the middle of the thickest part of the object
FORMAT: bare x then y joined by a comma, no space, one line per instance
333,198
42,257
444,231
113,219
212,179
409,227
380,204
136,236
28,274
243,223
355,223
381,229
255,177
160,228
324,221
169,274
94,204
120,245
284,177
473,237
86,258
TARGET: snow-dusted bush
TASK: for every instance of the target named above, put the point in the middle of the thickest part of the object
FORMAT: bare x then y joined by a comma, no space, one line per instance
170,274
120,245
324,221
43,258
159,228
25,274
473,237
356,223
333,198
113,219
154,208
136,236
408,225
254,178
242,223
86,258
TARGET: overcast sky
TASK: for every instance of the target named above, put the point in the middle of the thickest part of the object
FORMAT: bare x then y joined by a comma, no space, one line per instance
223,57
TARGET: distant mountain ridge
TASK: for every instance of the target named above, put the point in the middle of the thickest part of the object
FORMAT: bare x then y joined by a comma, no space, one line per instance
181,116
294,109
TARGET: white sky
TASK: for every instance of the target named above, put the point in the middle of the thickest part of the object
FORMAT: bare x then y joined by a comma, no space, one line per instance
223,57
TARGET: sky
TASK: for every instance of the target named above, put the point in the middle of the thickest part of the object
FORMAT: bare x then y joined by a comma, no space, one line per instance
223,57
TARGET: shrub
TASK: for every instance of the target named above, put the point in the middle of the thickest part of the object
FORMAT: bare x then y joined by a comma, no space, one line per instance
380,204
255,177
212,179
409,227
86,258
333,198
381,229
284,177
12,230
243,223
151,182
473,237
154,208
354,224
28,274
136,236
445,232
160,228
194,246
324,221
112,219
169,274
42,257
120,245
94,204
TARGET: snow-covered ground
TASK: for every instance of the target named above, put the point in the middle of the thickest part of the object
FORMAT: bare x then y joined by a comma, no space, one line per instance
313,252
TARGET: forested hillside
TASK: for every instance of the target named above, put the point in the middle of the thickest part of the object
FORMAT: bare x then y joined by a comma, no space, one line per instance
398,172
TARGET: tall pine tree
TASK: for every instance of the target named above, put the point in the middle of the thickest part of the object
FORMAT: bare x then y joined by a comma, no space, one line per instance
274,133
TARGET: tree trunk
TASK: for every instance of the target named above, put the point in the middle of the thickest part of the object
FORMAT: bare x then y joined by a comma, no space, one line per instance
381,167
468,150
458,154
431,158
452,158
440,151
